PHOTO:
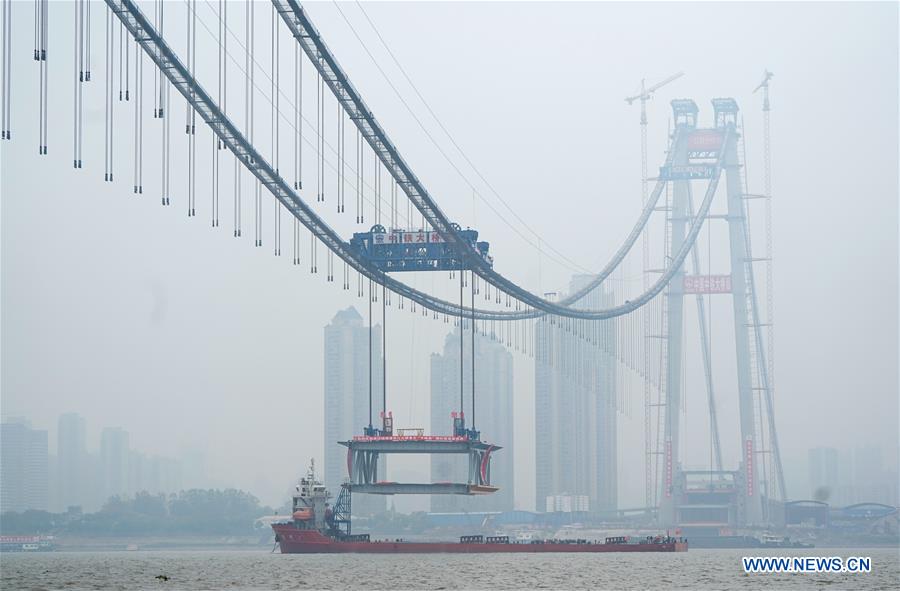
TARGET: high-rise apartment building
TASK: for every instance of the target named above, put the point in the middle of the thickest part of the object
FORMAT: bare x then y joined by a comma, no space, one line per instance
493,416
575,408
824,475
347,384
73,462
23,467
114,457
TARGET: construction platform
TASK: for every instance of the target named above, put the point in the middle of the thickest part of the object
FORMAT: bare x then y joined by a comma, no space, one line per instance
363,452
417,488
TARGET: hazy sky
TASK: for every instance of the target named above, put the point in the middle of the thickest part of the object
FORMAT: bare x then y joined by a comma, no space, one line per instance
136,316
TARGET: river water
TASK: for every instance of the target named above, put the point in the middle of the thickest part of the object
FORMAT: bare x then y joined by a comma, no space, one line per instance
696,569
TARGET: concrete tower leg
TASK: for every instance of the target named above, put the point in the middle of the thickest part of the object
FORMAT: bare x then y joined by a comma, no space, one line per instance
675,335
752,513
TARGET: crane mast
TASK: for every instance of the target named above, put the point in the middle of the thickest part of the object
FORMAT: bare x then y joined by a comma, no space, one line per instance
770,292
644,96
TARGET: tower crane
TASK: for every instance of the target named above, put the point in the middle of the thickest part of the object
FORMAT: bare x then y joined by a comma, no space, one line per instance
770,294
645,95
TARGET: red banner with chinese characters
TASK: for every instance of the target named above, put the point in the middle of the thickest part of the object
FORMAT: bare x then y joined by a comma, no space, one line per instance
707,284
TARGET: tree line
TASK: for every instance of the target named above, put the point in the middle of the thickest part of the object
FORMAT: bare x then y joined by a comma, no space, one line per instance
195,512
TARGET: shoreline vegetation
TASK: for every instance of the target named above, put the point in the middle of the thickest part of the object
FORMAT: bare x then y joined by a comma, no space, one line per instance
210,516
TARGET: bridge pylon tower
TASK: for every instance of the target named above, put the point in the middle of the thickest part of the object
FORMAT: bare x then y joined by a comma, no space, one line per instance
749,489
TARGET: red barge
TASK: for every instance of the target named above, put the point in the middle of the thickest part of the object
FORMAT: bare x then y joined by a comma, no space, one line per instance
317,528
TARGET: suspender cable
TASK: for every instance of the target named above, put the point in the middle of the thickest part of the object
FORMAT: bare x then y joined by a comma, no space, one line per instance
298,134
8,38
187,107
193,113
224,39
394,212
298,141
318,135
87,43
187,104
121,56
342,165
75,89
340,156
45,10
358,177
217,143
81,80
276,96
251,44
157,75
165,113
362,177
322,95
106,97
4,75
127,65
137,115
247,119
38,46
139,70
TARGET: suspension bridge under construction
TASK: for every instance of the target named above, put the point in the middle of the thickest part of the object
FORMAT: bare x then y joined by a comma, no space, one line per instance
303,177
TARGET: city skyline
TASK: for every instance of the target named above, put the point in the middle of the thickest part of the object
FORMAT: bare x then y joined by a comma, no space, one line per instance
76,475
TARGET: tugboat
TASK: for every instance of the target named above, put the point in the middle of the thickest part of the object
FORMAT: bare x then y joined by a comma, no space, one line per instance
772,541
315,527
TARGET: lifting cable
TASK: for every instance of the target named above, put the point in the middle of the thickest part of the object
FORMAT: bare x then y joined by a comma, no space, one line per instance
472,279
298,142
461,308
377,189
370,354
384,293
